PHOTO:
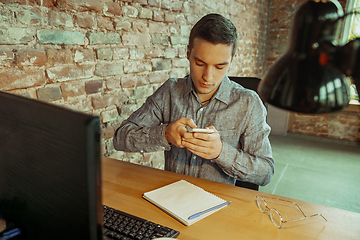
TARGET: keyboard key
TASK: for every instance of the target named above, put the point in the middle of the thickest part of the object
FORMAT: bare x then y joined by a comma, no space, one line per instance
123,226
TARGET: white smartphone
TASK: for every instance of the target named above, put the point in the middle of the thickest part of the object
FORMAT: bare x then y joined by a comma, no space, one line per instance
201,130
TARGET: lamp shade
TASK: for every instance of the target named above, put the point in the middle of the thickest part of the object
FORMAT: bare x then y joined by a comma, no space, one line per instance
301,80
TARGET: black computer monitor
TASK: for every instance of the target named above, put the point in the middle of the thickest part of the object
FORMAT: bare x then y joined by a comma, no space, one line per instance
50,184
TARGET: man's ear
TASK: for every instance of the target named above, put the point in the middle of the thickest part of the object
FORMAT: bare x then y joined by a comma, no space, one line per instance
188,52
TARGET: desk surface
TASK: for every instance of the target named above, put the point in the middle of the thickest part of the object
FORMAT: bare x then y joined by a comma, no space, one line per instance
124,183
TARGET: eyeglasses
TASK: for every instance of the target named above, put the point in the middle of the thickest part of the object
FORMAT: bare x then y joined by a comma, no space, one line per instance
275,216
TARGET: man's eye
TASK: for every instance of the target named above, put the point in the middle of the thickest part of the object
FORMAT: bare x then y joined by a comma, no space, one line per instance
199,64
220,67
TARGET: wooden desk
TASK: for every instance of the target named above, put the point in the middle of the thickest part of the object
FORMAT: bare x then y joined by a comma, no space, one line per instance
124,183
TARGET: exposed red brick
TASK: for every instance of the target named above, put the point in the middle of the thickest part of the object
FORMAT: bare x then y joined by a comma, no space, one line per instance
155,53
21,79
158,16
72,89
158,77
137,66
147,157
56,56
31,57
177,5
342,121
127,109
139,39
84,21
63,73
49,94
129,81
84,55
109,69
6,56
80,104
129,154
321,131
105,23
121,53
22,2
81,5
46,3
113,83
108,132
355,124
140,1
109,115
346,116
93,86
170,17
103,101
113,8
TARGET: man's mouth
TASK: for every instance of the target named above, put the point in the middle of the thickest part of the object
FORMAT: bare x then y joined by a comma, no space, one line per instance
204,85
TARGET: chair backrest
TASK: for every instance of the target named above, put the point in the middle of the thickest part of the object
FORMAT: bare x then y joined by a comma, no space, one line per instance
249,83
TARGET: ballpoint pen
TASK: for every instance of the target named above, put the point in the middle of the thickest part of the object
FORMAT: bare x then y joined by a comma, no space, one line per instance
208,210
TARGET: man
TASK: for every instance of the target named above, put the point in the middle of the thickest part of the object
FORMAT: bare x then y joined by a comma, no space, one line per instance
238,148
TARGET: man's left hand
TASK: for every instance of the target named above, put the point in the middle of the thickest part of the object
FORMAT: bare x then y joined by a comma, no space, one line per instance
205,145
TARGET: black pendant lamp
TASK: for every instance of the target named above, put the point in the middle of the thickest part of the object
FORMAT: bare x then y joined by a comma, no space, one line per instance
305,79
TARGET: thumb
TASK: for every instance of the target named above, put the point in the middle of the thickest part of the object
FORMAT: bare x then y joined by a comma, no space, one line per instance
189,122
212,127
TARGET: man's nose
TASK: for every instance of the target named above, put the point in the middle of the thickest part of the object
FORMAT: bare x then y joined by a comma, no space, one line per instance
208,74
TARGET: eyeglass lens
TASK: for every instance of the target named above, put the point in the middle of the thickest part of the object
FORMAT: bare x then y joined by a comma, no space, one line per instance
274,214
260,202
275,217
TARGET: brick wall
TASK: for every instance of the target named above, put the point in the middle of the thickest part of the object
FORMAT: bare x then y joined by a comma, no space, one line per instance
340,125
105,57
281,13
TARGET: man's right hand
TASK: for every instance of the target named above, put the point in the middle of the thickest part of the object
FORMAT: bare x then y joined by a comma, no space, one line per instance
174,132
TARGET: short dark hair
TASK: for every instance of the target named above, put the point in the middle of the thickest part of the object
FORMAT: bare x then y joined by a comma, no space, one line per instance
216,29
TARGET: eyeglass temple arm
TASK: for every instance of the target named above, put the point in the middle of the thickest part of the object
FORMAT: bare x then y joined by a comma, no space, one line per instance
302,212
317,214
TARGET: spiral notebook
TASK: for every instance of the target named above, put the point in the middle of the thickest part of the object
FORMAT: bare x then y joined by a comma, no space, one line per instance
182,199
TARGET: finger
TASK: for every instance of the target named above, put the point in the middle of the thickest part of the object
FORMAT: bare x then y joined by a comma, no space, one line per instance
188,121
195,142
188,135
204,152
212,127
203,136
196,149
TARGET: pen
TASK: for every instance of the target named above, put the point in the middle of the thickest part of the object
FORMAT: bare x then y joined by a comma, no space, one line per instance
208,210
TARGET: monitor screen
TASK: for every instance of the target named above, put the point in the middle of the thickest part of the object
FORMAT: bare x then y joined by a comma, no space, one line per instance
50,183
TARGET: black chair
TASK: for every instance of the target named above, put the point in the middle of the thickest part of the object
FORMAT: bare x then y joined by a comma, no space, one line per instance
247,82
250,83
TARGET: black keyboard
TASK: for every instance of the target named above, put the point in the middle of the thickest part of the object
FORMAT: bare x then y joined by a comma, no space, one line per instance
124,226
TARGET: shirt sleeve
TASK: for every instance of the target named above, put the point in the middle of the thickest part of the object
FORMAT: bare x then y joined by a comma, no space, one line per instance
144,130
252,161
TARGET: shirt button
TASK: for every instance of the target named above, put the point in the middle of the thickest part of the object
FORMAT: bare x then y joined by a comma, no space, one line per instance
194,157
141,151
201,109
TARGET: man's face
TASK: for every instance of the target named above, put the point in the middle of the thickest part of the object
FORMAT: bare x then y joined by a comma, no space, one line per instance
208,65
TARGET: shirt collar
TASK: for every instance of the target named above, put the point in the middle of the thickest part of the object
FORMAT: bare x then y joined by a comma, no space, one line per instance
222,94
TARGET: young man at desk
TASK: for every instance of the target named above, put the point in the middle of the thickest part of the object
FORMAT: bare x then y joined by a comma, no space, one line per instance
238,148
